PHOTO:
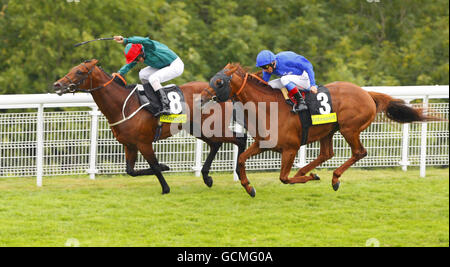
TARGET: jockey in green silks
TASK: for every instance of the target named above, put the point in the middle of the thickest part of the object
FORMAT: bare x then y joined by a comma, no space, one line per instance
162,63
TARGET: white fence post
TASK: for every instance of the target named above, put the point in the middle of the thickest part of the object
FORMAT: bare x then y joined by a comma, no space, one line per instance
301,157
40,145
93,146
423,140
405,146
198,157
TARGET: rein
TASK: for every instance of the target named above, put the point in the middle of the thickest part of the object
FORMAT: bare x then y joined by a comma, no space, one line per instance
242,86
245,82
74,87
125,118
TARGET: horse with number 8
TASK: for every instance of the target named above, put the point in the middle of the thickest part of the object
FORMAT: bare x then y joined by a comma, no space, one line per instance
355,109
138,132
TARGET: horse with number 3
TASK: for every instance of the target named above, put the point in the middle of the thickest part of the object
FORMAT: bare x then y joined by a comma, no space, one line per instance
138,132
355,109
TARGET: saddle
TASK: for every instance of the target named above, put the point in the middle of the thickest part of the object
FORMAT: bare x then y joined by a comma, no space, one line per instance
320,110
167,103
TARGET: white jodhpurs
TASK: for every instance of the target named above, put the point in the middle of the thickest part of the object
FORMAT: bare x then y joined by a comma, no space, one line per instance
302,81
157,76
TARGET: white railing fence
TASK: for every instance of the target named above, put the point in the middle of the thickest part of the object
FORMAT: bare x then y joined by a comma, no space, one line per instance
47,142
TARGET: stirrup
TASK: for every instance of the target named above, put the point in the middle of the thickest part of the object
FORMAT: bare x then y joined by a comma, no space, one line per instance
163,111
299,107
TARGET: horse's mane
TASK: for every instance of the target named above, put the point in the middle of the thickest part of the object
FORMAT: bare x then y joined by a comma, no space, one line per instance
107,74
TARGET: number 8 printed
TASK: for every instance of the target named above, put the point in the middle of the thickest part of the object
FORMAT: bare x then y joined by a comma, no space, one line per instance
175,104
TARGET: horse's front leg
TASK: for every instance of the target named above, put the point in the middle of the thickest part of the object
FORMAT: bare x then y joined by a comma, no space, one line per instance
254,149
130,158
214,147
149,155
241,142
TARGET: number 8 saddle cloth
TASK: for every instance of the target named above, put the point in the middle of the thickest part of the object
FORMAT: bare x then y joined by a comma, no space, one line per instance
167,103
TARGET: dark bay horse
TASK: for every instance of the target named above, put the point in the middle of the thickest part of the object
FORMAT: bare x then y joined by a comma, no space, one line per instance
355,109
137,133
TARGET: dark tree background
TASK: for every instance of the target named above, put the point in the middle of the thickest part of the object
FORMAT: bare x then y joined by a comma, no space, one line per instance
368,42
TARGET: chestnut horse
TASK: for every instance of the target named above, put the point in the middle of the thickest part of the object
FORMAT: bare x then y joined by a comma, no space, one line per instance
355,109
138,132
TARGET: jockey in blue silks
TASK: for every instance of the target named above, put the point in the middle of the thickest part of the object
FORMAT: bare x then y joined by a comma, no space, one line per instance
295,72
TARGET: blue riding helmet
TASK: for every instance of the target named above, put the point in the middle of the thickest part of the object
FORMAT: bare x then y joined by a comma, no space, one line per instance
264,57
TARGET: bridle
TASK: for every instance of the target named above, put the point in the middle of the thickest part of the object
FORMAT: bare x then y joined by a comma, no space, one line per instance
224,81
213,97
74,87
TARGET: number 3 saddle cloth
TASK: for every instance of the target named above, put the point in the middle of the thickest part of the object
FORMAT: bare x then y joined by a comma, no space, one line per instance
320,110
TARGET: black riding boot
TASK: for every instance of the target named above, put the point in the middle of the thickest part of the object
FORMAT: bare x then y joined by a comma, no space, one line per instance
301,104
165,109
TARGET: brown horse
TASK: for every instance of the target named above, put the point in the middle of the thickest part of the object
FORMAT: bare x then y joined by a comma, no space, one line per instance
355,109
138,132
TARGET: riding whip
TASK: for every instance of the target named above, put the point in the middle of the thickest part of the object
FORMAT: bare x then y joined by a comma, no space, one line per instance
98,39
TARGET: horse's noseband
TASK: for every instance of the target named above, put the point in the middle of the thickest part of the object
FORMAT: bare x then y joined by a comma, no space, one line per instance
221,85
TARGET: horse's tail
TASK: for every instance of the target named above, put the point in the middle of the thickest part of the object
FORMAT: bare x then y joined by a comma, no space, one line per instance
397,110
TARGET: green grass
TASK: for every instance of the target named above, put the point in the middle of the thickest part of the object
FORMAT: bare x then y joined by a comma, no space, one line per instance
395,207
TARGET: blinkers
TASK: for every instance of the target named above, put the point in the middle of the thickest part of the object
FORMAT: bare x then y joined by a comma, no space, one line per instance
221,85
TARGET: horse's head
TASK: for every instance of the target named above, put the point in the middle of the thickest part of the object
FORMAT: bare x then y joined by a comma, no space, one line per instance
79,78
220,89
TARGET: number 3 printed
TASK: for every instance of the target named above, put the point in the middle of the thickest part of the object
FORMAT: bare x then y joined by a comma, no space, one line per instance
323,99
175,104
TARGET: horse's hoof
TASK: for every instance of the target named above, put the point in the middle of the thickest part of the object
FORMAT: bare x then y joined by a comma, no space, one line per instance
252,192
315,177
208,181
336,186
164,167
166,190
